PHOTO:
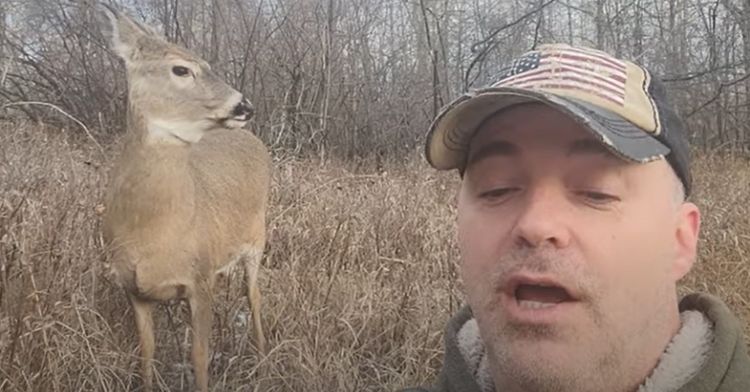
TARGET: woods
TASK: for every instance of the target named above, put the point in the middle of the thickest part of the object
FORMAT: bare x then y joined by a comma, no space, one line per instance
363,77
361,268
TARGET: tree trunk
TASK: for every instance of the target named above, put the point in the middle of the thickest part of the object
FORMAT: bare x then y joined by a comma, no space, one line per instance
215,49
600,22
638,30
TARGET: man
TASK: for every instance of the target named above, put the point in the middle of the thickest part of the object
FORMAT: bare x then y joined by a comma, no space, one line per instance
574,231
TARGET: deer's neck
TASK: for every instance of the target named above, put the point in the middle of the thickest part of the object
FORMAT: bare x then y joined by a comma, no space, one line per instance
153,179
148,131
153,164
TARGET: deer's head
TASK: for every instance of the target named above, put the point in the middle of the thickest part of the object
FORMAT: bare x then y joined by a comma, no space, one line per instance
175,91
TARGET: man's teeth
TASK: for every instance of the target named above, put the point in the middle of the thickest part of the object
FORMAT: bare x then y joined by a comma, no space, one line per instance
525,304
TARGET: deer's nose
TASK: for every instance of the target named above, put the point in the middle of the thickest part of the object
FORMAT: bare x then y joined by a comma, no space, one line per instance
243,109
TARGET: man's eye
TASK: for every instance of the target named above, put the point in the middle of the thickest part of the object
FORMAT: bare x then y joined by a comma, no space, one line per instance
496,193
179,70
599,197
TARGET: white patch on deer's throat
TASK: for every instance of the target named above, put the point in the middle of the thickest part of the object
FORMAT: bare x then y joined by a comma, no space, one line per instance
176,131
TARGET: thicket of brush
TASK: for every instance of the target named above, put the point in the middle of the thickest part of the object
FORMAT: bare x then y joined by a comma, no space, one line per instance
359,278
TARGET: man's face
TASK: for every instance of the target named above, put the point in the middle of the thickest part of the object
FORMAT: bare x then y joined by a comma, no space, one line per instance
570,255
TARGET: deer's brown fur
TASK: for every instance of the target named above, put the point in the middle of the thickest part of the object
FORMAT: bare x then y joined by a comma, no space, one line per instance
188,196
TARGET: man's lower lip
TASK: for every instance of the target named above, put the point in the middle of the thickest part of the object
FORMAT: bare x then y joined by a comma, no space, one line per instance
532,312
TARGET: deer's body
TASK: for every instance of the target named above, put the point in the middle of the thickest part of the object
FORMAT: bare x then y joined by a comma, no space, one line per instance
187,198
181,213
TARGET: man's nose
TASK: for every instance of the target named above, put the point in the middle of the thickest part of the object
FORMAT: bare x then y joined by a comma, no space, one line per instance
542,218
243,109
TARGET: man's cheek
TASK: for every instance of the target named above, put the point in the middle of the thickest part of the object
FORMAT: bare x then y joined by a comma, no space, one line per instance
472,274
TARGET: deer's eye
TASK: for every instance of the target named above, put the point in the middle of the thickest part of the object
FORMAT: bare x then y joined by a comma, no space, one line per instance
179,70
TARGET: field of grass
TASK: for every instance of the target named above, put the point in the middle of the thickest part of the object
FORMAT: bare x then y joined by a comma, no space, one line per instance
359,278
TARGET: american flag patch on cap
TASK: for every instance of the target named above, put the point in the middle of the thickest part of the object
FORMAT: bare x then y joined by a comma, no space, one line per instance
567,68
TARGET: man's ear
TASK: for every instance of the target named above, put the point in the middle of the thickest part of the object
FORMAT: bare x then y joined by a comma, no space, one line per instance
122,32
686,239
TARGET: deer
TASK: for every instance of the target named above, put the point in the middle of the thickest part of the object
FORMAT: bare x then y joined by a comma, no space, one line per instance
187,198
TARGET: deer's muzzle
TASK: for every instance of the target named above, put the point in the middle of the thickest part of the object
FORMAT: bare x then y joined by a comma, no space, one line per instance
243,111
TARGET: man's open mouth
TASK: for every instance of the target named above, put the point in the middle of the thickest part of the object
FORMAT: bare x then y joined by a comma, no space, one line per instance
540,296
538,292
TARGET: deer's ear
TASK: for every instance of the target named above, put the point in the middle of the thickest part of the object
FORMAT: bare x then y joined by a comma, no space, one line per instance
122,32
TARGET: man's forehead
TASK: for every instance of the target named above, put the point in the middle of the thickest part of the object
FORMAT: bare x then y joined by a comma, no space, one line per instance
508,148
511,133
521,118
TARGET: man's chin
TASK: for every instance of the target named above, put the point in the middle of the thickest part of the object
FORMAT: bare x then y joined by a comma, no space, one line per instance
540,343
541,365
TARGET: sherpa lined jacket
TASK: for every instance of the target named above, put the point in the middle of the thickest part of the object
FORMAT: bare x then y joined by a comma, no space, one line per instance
724,358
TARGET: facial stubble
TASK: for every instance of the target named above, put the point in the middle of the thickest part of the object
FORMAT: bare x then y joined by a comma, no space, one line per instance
504,336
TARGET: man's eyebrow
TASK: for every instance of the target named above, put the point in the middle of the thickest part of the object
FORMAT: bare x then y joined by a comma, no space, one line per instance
588,146
498,147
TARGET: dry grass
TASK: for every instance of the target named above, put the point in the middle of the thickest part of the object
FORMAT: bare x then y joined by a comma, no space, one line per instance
358,280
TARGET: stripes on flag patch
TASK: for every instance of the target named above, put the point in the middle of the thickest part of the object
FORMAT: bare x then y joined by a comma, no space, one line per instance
568,68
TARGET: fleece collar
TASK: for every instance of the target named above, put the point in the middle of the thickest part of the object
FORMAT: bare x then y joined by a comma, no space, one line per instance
682,359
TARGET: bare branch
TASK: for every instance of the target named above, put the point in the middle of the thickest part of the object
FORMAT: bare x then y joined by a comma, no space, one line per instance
490,43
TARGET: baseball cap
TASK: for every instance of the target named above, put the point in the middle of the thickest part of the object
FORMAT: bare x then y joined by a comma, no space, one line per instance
621,103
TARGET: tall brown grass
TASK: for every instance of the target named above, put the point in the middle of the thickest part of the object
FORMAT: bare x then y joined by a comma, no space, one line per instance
359,278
